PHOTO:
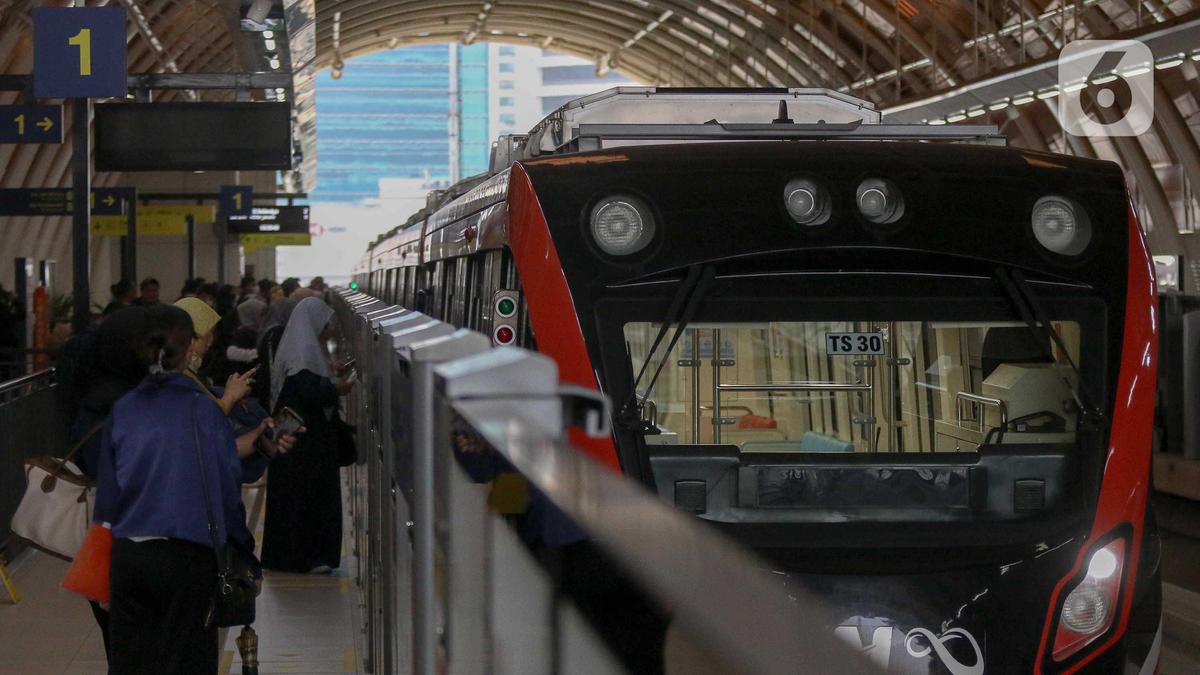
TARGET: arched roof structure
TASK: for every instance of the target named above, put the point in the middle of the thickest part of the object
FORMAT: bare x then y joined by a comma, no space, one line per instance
888,51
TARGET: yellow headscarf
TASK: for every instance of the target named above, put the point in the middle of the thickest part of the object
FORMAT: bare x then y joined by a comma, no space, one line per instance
204,318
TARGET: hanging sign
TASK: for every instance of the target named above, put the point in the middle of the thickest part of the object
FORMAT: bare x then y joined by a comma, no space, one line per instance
155,221
79,52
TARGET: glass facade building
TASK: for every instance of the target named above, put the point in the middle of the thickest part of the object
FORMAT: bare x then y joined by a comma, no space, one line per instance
389,114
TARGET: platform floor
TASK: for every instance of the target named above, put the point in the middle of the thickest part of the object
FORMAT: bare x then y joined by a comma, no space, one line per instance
306,623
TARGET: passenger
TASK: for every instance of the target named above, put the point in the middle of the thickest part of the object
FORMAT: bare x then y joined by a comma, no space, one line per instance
275,294
247,289
268,342
208,293
303,528
112,361
226,300
289,286
122,296
148,292
264,289
169,458
243,344
317,284
190,288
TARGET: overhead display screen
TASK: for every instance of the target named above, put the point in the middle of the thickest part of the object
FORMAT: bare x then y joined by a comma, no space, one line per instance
271,220
193,136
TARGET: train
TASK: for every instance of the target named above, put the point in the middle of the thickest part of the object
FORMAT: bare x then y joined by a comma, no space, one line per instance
911,366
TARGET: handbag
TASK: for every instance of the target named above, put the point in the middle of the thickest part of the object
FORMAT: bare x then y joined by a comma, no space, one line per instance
233,602
56,509
89,574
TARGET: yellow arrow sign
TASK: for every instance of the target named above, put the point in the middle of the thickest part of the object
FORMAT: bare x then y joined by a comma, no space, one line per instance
109,200
46,124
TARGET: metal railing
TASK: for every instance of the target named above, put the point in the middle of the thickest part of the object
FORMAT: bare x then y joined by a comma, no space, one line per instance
449,584
30,425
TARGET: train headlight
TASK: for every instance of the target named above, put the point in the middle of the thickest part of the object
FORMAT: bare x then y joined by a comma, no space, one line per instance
879,201
622,225
806,202
1089,609
1061,225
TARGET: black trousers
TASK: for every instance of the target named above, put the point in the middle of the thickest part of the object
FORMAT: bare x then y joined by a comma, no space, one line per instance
161,591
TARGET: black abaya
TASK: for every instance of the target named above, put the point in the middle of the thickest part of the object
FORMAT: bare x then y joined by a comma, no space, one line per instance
303,527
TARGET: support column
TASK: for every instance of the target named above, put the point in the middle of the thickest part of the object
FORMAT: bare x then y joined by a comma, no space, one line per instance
81,226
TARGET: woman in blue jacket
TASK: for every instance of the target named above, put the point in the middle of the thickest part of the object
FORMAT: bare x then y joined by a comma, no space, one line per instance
160,437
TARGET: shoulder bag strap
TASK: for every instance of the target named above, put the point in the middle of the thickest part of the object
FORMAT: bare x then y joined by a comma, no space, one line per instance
222,568
60,464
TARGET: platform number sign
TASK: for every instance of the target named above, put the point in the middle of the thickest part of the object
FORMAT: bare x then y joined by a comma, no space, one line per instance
236,200
79,52
853,344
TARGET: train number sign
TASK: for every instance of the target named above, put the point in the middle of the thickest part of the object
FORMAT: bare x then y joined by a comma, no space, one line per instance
853,344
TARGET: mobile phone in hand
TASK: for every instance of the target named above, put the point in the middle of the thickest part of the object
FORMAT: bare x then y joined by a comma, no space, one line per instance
287,421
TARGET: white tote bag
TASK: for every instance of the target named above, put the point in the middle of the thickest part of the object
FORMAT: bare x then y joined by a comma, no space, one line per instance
56,511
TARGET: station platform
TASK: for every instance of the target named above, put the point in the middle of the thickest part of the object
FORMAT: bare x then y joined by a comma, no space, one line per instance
306,623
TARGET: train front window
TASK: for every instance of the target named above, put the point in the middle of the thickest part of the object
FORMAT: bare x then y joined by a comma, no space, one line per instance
860,387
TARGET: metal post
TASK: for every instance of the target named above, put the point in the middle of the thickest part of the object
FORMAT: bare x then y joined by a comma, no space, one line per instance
129,270
424,617
81,226
191,247
220,253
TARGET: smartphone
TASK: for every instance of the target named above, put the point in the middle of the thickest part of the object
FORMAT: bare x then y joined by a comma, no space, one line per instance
287,421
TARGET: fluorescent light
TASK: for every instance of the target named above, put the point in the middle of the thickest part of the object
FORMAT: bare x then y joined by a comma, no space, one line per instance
1170,62
269,45
998,105
1196,55
937,122
1027,97
274,64
1139,70
1104,79
957,117
976,112
1047,93
1071,88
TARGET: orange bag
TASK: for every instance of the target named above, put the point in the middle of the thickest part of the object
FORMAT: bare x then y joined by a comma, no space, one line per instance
88,575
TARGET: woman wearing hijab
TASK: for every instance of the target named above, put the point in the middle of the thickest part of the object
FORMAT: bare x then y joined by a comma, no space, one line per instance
169,459
243,344
303,528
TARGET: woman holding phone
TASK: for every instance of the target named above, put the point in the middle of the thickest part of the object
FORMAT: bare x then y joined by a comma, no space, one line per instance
303,527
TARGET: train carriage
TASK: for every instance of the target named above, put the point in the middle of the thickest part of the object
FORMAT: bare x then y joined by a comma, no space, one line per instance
913,367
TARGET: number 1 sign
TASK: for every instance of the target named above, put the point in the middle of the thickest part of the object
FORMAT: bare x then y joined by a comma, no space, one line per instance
79,52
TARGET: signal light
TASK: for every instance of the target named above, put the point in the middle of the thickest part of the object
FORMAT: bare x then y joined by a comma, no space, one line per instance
353,285
506,307
1090,607
504,335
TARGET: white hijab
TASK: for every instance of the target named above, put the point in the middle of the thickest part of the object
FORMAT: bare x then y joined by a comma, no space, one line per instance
300,347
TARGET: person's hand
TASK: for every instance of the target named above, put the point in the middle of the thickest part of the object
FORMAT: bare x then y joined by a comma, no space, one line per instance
344,387
287,441
238,385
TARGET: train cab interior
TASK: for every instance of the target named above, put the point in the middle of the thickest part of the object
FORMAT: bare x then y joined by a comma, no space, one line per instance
893,420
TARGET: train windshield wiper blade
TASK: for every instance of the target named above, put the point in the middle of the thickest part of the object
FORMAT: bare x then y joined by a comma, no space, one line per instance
682,309
1031,311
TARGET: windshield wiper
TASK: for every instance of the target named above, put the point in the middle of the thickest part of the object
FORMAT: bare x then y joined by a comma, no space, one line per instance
682,309
1031,311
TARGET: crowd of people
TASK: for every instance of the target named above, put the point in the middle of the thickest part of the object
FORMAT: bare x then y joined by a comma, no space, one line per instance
176,407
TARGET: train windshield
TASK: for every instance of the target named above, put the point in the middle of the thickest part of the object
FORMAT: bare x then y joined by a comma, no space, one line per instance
860,386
